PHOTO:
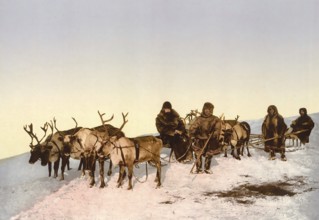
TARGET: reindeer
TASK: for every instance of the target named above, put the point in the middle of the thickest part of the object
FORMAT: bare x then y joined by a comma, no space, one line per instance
190,118
126,152
236,134
35,151
83,145
48,151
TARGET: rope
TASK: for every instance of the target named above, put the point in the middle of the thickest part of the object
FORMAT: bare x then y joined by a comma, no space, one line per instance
146,175
182,155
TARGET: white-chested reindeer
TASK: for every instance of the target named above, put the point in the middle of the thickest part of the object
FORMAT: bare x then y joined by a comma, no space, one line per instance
83,145
126,152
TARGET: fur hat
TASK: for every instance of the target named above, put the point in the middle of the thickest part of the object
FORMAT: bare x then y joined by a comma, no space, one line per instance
208,105
274,108
303,109
167,105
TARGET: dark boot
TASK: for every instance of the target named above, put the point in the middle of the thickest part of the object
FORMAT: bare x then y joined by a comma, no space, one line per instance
283,157
272,155
208,161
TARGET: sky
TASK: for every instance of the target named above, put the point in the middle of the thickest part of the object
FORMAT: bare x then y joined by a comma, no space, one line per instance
67,59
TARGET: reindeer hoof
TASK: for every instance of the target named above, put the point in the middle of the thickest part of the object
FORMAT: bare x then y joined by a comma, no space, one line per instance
102,185
129,187
109,173
158,186
249,155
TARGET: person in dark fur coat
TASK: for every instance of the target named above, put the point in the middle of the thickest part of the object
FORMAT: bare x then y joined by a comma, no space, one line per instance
303,123
274,128
200,130
172,131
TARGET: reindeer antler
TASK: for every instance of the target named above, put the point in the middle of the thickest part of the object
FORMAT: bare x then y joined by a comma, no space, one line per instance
54,121
104,121
236,119
124,120
76,125
30,133
45,129
33,135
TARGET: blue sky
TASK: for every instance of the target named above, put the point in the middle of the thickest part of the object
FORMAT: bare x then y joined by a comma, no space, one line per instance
71,58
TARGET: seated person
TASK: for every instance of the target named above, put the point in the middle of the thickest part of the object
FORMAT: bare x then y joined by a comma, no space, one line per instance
303,124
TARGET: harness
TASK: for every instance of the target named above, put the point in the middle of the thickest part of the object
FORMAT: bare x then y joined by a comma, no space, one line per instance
137,149
57,146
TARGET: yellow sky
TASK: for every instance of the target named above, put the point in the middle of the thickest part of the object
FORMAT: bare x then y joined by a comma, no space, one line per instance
70,59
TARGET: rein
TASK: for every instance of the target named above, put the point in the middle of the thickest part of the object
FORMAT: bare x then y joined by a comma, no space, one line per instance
188,148
146,175
57,146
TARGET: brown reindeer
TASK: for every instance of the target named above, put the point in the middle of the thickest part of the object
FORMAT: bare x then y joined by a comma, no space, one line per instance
126,152
51,150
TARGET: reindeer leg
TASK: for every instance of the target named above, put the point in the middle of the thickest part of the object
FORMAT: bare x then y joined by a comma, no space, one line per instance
109,172
225,150
82,161
158,174
92,178
232,150
122,174
247,147
101,165
56,167
49,168
68,162
130,175
235,149
80,164
242,150
92,173
238,152
64,163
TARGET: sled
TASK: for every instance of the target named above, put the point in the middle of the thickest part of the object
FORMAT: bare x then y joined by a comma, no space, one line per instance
257,141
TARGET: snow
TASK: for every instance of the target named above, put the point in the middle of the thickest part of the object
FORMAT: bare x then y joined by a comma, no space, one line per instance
27,193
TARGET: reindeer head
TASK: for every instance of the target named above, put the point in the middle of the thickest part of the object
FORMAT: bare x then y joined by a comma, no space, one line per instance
67,138
109,139
225,133
36,150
